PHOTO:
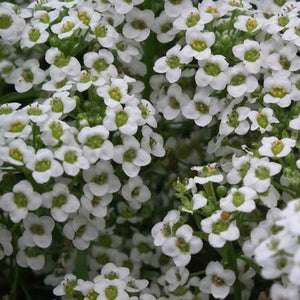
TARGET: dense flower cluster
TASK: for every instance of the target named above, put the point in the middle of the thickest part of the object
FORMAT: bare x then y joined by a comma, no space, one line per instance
93,145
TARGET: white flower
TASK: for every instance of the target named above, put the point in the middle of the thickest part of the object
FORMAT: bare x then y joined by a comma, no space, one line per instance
33,35
199,44
211,72
111,289
164,230
182,245
55,132
44,166
259,175
291,34
17,152
277,90
95,143
5,242
67,284
192,18
81,231
241,199
131,156
198,201
61,66
241,82
220,229
115,92
174,8
122,119
12,25
262,120
142,250
29,256
152,142
278,22
285,59
37,113
217,281
202,108
126,49
72,159
234,120
16,125
138,24
248,24
95,205
164,29
106,34
170,105
171,63
28,75
240,167
279,291
148,113
61,202
60,104
250,54
101,63
207,174
38,230
273,147
42,18
135,192
86,15
270,197
21,200
100,179
176,276
66,27
123,6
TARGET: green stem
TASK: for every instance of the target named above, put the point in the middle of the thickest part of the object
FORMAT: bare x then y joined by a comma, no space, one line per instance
231,258
13,291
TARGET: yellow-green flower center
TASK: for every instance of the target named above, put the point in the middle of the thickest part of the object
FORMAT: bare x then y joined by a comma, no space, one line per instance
94,142
121,118
277,147
56,129
115,93
15,154
192,19
42,165
34,34
198,45
252,55
5,21
278,92
16,126
262,120
251,24
129,155
67,26
212,69
28,75
238,199
70,157
59,200
173,62
84,17
100,65
20,200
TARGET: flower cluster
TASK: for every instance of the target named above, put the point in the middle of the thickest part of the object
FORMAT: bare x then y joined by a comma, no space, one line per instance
150,149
